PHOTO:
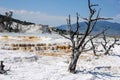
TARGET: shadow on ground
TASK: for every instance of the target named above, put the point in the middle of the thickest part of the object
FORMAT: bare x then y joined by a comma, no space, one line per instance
98,72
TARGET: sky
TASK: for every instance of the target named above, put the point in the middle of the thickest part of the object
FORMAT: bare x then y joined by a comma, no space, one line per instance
55,12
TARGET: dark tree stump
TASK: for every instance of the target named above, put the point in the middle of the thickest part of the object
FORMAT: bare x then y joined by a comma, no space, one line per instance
2,70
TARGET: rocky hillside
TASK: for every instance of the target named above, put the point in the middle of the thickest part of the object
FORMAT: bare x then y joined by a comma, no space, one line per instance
8,24
17,20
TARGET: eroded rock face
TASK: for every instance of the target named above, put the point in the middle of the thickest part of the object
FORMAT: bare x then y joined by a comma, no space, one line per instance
38,44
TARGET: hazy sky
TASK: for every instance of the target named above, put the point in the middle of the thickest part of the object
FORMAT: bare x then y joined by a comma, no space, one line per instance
55,12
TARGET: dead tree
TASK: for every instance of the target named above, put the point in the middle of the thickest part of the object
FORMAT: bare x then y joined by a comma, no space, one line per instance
2,71
7,21
106,45
2,66
80,41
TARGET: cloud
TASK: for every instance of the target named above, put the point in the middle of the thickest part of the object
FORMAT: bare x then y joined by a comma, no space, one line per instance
116,18
3,10
37,17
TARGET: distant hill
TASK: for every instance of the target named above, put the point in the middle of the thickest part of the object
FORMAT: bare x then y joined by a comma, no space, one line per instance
113,31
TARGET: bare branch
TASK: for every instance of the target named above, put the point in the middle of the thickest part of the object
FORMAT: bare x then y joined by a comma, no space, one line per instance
69,25
77,26
86,50
93,48
92,5
84,18
94,22
94,37
105,45
102,19
65,36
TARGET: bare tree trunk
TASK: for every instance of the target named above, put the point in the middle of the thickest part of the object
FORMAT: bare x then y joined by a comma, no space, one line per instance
73,61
